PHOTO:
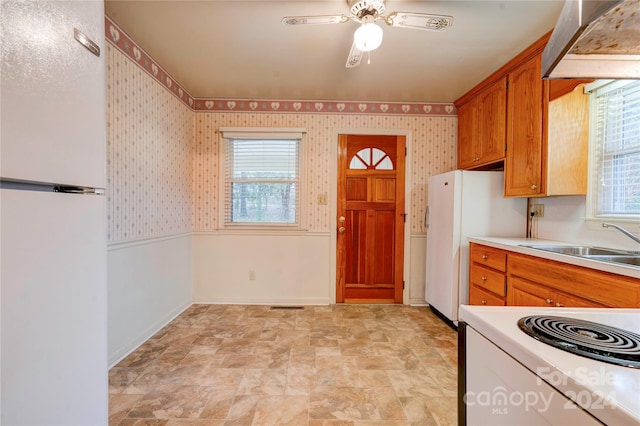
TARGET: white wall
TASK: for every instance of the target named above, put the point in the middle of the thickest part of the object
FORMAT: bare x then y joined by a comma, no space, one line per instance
149,285
563,221
289,269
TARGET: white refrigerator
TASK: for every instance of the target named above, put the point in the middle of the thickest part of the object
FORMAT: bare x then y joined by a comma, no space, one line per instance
53,322
463,204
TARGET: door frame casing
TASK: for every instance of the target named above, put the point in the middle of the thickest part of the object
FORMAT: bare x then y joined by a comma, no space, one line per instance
333,202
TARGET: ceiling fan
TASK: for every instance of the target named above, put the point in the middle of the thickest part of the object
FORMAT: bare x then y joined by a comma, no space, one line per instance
369,35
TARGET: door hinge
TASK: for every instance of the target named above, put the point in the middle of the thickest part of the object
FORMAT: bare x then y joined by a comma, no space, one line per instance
505,147
404,217
403,284
405,151
507,84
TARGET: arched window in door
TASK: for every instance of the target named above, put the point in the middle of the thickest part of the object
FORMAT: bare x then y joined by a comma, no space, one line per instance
371,158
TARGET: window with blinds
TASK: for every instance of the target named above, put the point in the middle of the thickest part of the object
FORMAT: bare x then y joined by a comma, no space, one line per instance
615,190
262,177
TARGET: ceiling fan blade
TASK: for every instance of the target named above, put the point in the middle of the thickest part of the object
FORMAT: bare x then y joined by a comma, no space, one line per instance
355,56
419,21
312,20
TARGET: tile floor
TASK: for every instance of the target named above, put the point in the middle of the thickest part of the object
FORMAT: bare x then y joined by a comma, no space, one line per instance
336,365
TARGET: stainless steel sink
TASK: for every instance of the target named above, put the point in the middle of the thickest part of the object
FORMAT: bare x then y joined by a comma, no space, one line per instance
582,250
621,257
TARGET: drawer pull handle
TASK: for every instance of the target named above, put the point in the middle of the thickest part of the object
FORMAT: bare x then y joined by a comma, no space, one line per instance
484,302
483,278
485,257
549,301
534,186
559,305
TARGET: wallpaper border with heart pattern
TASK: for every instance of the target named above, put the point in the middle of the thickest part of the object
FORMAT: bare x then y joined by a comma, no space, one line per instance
121,40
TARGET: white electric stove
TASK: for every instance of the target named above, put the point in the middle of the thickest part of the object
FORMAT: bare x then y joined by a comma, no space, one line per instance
511,374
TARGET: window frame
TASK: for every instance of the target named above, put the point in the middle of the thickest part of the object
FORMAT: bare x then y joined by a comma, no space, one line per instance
593,194
260,133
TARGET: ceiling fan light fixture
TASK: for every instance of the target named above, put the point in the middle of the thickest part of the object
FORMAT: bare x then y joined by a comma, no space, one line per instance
368,37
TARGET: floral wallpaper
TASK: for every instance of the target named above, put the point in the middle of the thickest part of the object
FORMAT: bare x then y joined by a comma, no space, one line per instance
163,145
149,155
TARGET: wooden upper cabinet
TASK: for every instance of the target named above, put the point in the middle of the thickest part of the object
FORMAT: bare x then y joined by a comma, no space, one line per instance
467,134
482,127
544,125
523,164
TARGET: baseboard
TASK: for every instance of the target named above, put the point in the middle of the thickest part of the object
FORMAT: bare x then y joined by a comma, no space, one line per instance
123,352
249,301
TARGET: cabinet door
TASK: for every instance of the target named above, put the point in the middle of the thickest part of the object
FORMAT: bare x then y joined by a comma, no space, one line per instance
468,150
492,122
569,301
525,293
568,144
523,163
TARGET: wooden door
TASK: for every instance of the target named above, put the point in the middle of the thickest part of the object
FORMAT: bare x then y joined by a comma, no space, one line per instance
370,243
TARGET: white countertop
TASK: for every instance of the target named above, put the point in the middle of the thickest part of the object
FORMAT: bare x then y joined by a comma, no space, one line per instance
515,245
619,385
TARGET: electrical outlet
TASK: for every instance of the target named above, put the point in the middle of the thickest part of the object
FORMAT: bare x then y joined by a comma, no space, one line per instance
252,275
537,210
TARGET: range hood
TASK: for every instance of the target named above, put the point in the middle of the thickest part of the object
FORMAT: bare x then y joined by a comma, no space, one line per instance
595,39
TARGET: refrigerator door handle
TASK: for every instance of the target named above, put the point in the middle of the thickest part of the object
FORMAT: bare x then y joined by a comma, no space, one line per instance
69,189
84,40
426,218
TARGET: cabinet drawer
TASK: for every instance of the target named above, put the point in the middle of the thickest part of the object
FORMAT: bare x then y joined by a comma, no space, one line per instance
489,256
478,296
489,279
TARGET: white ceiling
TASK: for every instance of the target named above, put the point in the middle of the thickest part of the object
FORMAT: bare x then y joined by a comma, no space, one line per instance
240,49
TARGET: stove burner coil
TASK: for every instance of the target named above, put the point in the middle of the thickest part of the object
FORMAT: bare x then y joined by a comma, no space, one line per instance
585,338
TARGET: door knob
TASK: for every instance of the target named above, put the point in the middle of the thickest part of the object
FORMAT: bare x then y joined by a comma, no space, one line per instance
342,229
342,219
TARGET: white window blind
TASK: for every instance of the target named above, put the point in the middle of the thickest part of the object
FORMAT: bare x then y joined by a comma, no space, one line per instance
262,177
616,150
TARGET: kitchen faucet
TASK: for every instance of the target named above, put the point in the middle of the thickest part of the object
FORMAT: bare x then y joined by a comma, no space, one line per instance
621,229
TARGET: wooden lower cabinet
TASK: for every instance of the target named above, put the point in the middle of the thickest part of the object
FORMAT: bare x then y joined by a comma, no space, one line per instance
567,285
526,293
487,278
501,277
